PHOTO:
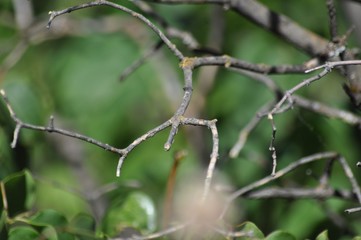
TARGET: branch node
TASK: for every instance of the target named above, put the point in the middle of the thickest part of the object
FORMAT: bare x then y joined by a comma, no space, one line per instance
51,124
187,62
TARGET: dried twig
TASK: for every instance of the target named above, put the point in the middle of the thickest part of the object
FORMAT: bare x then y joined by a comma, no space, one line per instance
228,61
244,133
333,21
170,45
278,174
139,62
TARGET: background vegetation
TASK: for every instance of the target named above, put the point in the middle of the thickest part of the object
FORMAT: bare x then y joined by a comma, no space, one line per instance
63,188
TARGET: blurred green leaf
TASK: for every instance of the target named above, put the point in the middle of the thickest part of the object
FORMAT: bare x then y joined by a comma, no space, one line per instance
323,235
83,221
83,226
137,211
23,233
19,193
280,235
52,224
49,217
250,227
3,228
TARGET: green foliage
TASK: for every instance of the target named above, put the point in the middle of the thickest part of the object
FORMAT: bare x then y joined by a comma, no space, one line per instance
23,233
323,236
136,211
252,229
280,235
18,193
76,77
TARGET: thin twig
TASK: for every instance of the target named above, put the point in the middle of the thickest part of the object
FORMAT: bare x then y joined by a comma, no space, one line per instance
272,147
353,210
278,174
211,124
327,111
20,124
170,45
244,133
351,178
298,193
331,65
188,89
228,61
288,94
139,62
333,21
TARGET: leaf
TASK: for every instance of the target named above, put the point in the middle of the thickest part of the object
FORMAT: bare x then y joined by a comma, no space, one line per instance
3,229
49,217
250,227
19,193
323,235
83,221
280,235
51,224
84,226
357,238
23,233
137,211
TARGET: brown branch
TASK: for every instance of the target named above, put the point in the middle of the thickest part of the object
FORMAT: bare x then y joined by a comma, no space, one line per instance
169,193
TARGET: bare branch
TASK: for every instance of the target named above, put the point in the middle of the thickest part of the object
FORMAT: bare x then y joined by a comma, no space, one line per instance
327,111
299,193
331,65
20,124
244,133
228,61
349,175
138,63
188,89
278,174
170,45
272,147
333,21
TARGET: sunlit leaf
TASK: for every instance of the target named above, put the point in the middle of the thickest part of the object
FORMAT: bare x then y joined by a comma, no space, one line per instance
251,230
280,235
323,236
